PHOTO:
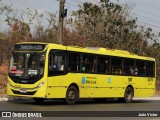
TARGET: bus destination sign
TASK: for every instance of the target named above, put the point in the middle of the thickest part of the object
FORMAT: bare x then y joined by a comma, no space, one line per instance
29,47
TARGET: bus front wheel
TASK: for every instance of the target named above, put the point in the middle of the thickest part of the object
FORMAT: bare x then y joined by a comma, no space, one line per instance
71,95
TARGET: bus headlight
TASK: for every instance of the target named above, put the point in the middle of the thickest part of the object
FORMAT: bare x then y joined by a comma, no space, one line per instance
41,84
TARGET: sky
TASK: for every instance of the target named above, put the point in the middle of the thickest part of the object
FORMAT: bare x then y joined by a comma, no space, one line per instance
147,11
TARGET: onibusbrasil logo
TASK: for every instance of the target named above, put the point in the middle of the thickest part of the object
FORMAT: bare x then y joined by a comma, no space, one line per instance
21,114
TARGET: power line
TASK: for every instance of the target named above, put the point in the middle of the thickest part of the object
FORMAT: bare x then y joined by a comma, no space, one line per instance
77,1
152,30
146,19
148,24
68,3
139,21
56,0
71,4
95,1
146,12
150,21
80,1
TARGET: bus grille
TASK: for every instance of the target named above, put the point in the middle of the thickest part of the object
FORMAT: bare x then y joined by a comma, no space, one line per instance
27,93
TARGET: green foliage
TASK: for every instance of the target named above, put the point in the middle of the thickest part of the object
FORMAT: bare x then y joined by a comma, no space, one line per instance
108,25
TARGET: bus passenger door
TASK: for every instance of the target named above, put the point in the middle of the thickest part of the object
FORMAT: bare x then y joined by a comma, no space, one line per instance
56,74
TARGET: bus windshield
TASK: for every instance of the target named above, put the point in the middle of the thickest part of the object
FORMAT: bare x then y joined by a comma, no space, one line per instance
27,65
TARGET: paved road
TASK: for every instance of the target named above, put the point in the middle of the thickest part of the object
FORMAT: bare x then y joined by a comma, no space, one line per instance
84,105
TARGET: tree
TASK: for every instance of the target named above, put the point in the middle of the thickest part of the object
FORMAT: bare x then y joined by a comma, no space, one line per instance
109,25
4,8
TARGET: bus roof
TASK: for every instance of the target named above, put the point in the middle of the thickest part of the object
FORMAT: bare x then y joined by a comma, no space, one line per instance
110,52
94,50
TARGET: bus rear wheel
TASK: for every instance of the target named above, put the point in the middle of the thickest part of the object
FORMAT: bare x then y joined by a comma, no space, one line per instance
72,95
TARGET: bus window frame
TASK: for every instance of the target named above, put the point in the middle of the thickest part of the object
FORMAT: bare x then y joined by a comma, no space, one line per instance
122,67
68,62
64,72
109,64
88,64
97,56
153,69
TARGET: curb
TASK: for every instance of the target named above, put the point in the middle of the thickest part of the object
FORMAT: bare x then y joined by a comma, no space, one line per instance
10,98
150,98
4,99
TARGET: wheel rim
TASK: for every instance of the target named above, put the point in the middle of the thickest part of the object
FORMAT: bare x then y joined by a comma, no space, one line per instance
71,95
129,96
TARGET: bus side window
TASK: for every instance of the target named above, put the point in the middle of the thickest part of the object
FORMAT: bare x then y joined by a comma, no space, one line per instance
150,69
116,65
50,62
92,64
118,71
128,67
56,63
84,66
74,62
141,68
103,64
136,70
88,63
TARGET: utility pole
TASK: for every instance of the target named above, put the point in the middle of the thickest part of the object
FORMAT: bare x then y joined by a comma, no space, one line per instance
62,14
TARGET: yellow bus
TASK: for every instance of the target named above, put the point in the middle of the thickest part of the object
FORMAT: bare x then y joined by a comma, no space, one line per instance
45,70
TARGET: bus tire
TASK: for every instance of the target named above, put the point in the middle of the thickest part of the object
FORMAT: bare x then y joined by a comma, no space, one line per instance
72,95
128,95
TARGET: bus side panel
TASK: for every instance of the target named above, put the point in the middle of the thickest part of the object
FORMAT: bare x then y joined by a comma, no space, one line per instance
58,85
56,92
109,86
141,86
84,83
55,88
150,82
136,82
108,92
144,92
97,86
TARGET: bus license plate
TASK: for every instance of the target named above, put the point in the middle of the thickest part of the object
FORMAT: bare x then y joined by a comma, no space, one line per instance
23,91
